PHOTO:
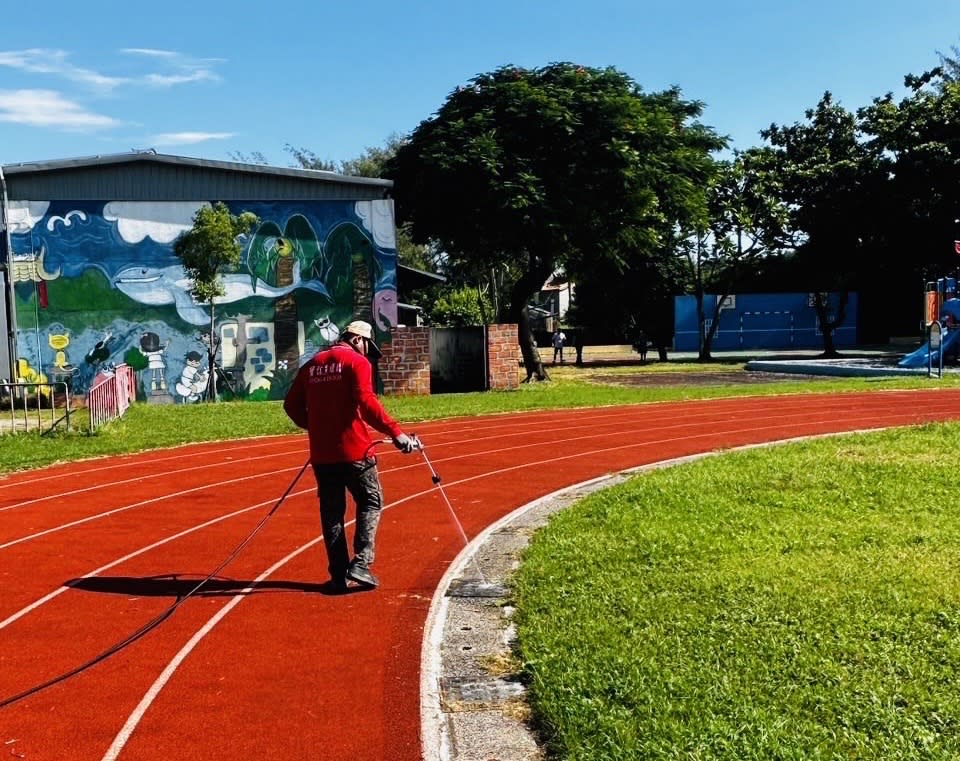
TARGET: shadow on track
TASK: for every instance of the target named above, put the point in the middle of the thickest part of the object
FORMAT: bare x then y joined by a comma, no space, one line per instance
177,586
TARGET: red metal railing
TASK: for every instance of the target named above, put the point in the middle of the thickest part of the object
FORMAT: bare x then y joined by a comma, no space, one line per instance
111,394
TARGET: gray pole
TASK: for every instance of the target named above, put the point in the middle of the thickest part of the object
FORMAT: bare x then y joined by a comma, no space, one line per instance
6,269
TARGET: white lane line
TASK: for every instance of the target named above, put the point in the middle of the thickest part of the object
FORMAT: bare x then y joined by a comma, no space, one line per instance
116,510
134,460
151,694
138,713
138,479
60,590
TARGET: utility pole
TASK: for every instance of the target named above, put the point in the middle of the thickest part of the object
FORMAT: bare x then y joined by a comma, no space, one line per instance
8,316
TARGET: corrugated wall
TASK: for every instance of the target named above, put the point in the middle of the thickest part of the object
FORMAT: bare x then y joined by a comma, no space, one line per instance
161,181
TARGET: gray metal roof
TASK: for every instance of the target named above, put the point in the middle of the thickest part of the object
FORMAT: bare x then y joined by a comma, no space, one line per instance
411,279
151,176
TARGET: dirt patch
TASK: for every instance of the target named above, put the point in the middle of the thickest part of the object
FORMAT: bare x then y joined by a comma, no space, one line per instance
740,377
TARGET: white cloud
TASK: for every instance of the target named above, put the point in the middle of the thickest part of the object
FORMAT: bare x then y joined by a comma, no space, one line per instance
175,68
152,52
182,69
188,138
47,108
170,80
45,61
53,108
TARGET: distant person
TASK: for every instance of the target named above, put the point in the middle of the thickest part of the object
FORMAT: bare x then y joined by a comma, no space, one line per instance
640,345
332,398
558,340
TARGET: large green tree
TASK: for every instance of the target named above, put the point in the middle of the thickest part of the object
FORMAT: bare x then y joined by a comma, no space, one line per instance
746,222
559,167
830,179
918,141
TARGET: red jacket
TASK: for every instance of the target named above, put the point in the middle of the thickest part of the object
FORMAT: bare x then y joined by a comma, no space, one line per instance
332,397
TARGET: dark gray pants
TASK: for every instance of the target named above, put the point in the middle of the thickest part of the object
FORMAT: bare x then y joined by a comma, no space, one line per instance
333,482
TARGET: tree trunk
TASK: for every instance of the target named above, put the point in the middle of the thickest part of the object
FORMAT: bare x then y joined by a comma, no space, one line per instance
494,295
285,332
212,360
829,349
827,324
707,344
524,288
362,290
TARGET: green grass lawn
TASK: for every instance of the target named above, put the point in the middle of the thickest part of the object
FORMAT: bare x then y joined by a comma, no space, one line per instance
794,602
148,427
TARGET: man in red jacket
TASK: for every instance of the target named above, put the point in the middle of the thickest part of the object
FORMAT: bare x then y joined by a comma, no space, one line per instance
332,398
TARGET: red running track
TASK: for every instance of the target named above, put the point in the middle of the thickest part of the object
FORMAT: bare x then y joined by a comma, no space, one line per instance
262,663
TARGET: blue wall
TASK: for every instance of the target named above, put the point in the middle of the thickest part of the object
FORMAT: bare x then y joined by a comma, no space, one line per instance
761,321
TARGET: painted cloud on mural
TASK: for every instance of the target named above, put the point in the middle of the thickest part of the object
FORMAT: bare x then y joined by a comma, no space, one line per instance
377,218
161,222
23,215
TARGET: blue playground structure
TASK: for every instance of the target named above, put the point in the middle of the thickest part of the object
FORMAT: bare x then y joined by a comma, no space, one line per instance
941,303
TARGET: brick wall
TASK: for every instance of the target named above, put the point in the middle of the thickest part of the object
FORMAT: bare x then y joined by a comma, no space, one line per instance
405,364
503,370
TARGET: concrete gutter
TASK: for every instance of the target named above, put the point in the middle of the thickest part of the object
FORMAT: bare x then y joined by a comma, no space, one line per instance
853,368
470,710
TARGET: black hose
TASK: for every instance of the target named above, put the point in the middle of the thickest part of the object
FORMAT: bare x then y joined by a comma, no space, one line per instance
157,620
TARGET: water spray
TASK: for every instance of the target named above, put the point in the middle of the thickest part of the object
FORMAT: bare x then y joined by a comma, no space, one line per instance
438,482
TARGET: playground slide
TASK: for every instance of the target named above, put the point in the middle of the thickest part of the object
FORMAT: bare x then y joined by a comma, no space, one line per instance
919,357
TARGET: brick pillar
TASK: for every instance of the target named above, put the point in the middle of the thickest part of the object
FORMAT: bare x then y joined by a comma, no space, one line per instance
503,370
405,365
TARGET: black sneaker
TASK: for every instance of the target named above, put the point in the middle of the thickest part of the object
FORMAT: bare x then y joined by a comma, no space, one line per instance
359,573
336,586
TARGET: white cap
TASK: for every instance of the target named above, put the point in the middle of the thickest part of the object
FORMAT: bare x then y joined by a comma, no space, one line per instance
364,330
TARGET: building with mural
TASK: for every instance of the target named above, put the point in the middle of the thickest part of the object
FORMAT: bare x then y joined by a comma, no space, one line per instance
91,279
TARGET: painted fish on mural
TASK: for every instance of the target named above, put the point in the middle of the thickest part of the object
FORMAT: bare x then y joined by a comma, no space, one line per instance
170,285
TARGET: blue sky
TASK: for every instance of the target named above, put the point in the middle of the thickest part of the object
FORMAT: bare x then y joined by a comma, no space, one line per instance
215,79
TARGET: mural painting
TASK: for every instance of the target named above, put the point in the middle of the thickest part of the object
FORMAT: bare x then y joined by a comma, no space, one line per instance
97,284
